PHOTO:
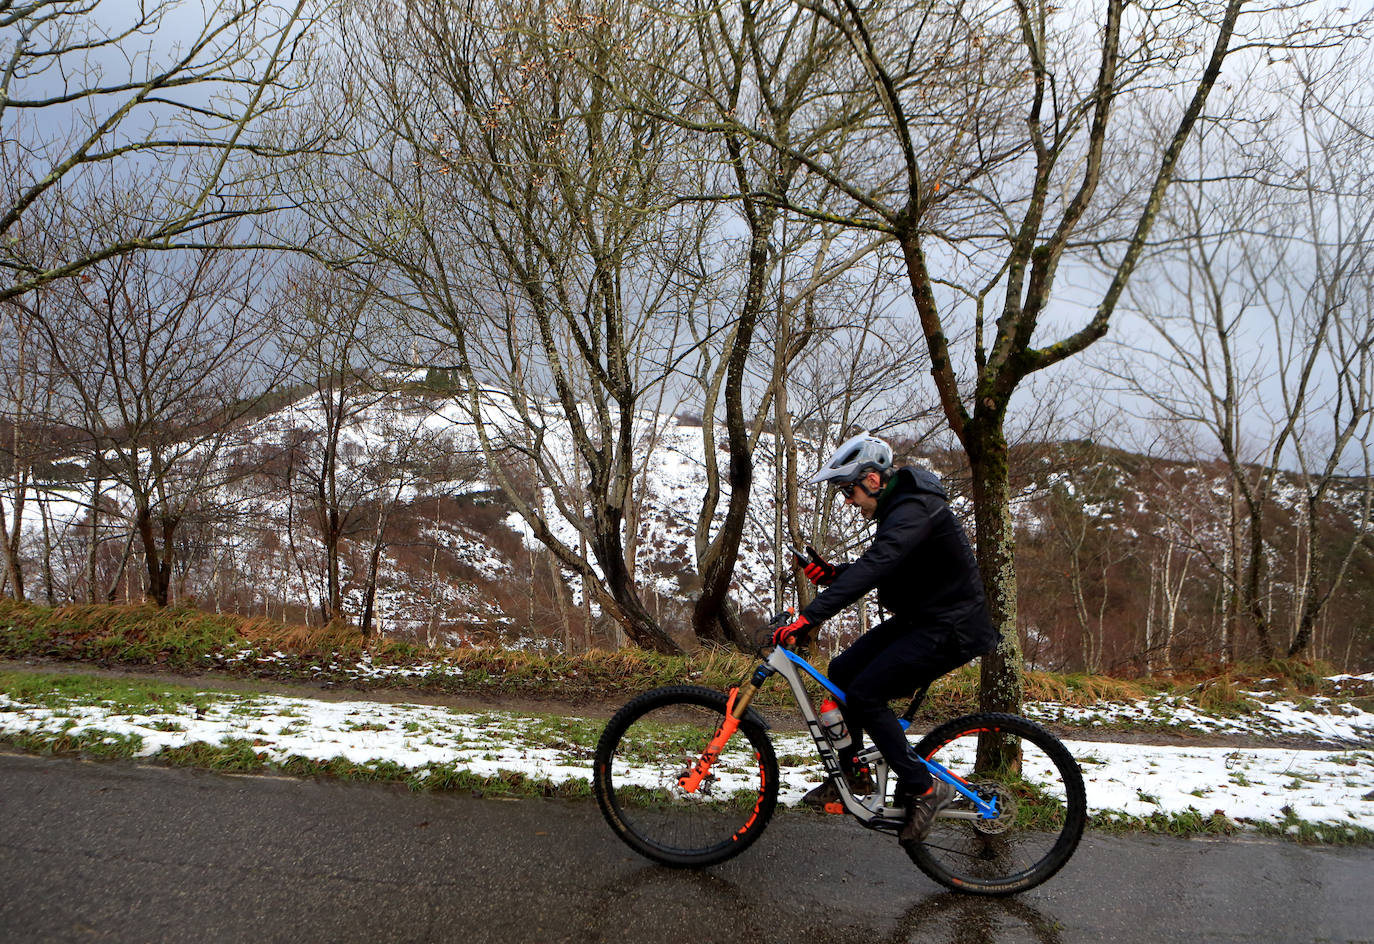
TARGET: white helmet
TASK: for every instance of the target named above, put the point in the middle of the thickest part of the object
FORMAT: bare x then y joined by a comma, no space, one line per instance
855,456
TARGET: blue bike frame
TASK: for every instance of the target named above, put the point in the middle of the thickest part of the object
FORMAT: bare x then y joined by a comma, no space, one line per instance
789,665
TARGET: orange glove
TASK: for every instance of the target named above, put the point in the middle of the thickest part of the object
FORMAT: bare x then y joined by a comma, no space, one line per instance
817,569
787,635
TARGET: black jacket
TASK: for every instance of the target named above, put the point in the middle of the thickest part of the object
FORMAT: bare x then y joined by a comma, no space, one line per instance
921,563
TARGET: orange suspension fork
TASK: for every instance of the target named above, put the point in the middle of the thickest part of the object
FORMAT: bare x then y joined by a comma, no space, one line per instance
738,703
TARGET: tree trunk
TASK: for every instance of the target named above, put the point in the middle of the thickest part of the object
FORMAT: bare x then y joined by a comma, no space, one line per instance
1314,598
331,520
1230,621
1149,647
14,573
158,563
1080,606
120,571
711,618
609,551
93,548
49,591
1259,619
13,569
1002,681
1173,596
370,589
331,607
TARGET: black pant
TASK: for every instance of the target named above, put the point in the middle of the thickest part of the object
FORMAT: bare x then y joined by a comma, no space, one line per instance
892,660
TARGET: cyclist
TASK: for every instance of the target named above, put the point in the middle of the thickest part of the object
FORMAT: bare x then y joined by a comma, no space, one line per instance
923,567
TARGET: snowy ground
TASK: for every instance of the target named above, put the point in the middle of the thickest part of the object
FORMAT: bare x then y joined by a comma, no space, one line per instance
1331,785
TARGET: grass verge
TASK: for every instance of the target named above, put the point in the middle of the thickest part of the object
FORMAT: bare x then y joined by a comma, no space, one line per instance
1182,824
184,639
71,702
1327,834
240,756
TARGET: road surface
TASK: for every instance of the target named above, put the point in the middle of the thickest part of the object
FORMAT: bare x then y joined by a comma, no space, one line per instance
119,852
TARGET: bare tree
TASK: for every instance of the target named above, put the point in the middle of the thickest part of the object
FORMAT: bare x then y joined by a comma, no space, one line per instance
1179,540
978,147
95,100
326,324
724,76
1263,311
1089,552
531,228
97,103
159,355
24,391
403,442
1334,430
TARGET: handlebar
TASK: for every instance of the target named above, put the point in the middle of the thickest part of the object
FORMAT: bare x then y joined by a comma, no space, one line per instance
779,620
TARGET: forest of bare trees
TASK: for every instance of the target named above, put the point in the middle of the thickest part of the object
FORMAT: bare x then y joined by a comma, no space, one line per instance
319,308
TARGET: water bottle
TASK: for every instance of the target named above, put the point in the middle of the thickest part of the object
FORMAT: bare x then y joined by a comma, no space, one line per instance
832,723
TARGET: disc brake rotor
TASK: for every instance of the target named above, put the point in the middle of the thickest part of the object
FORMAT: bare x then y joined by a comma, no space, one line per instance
1006,808
703,789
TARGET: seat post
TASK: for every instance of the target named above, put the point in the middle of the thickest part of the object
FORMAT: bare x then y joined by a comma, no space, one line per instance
909,715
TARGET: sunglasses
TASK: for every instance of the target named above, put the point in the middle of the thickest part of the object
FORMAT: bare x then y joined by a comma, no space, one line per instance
847,489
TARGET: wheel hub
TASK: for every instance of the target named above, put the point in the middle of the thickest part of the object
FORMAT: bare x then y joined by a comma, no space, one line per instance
1006,807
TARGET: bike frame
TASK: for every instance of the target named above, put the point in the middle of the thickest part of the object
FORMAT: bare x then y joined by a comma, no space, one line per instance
874,813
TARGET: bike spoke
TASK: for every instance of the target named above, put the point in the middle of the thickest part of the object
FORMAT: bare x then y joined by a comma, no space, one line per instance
1039,794
646,751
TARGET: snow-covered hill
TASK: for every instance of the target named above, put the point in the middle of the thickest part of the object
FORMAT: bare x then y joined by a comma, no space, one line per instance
1113,546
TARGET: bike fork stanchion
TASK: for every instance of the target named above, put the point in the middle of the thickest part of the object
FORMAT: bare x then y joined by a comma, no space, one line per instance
691,780
735,707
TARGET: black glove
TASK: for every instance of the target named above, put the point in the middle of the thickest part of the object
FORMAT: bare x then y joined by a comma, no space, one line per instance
817,569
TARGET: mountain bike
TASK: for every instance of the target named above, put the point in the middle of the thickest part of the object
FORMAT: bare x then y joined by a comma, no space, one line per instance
687,776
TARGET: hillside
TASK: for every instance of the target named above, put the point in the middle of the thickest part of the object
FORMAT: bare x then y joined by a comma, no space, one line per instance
1124,560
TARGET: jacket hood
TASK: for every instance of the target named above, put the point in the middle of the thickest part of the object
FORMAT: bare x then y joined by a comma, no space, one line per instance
910,482
924,481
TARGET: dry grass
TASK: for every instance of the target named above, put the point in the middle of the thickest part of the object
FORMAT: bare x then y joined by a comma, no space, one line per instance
268,634
186,638
1224,685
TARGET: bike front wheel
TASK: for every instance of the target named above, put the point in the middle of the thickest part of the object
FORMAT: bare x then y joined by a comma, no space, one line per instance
1041,806
652,742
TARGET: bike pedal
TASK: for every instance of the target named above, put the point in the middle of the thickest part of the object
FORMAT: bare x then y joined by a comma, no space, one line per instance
834,806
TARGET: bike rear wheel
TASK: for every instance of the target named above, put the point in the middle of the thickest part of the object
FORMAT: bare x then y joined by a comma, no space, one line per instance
649,744
1041,801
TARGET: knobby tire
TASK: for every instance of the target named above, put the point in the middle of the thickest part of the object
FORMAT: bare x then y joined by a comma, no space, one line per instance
1045,809
649,743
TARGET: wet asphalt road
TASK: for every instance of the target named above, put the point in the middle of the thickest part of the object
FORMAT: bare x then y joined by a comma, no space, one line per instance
116,852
